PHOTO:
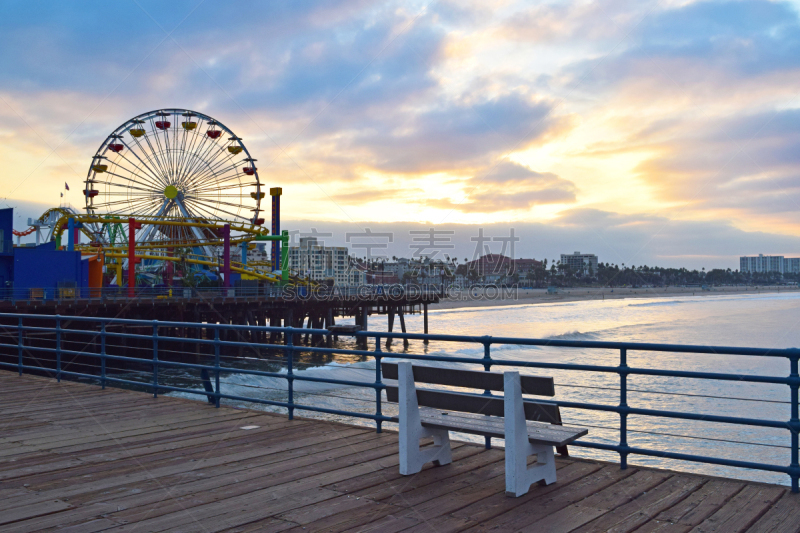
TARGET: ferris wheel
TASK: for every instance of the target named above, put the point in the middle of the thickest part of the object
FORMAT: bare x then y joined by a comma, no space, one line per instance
174,163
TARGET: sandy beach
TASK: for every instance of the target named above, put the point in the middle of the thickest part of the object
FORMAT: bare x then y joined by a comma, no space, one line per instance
492,297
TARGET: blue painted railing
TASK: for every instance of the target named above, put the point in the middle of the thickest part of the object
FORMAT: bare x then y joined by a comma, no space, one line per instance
15,327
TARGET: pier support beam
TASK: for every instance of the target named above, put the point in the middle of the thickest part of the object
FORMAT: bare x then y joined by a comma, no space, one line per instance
390,319
425,320
402,325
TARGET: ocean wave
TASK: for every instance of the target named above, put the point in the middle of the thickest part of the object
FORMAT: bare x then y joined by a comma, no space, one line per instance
576,336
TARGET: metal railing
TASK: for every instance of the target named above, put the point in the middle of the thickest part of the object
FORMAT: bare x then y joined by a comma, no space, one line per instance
95,337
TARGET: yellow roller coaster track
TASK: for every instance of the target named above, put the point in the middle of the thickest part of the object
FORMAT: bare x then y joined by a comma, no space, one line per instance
160,221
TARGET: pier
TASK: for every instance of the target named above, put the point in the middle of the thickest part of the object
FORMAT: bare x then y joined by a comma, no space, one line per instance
78,457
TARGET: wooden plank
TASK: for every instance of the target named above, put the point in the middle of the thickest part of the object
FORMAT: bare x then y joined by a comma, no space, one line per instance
639,511
782,517
698,506
742,511
538,508
477,403
396,486
29,511
471,379
492,426
601,502
499,503
385,480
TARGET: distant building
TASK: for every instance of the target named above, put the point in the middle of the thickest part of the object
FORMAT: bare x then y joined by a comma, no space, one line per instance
399,268
491,267
320,263
769,263
523,266
578,262
378,277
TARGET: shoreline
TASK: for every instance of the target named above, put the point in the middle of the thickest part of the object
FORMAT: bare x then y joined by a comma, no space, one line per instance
493,298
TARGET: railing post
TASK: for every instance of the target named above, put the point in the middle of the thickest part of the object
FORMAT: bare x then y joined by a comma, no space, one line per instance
58,348
103,354
378,373
19,346
216,366
155,358
794,423
289,334
623,405
487,366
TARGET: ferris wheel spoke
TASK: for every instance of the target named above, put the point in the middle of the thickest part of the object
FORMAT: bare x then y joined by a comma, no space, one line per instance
208,213
153,178
156,157
195,144
156,171
205,190
161,150
140,176
123,202
213,168
214,207
165,149
151,154
194,151
214,178
214,195
221,202
205,152
184,153
201,157
113,184
231,176
161,153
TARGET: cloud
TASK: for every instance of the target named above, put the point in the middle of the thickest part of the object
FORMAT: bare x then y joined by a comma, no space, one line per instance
698,45
508,186
458,134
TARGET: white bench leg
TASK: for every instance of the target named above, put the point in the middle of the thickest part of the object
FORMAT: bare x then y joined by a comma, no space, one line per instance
412,458
519,477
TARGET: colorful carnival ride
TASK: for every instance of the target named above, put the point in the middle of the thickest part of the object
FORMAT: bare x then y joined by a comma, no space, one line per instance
168,195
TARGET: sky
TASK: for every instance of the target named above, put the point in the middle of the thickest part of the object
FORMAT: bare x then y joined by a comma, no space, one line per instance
648,132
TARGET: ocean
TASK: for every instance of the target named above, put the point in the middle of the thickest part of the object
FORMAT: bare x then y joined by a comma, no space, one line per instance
752,320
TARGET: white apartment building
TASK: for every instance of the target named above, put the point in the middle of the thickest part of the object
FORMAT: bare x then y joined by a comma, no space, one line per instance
320,263
399,268
770,263
579,262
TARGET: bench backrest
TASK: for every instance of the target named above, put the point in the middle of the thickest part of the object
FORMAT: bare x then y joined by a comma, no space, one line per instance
474,403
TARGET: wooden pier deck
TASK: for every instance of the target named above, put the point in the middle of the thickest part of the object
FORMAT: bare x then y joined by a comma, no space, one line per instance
77,458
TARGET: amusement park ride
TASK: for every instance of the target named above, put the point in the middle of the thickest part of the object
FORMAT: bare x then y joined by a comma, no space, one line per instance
167,195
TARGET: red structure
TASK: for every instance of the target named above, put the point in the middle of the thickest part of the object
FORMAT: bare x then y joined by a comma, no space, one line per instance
132,227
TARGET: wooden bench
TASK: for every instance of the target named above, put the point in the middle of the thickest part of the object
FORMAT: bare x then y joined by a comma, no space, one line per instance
529,428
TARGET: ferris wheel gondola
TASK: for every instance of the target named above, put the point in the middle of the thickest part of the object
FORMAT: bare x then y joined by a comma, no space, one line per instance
174,163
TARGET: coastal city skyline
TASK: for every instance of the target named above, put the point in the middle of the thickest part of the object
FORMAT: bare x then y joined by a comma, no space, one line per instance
625,138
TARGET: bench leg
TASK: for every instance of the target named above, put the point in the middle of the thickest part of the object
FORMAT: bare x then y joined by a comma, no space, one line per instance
519,477
413,458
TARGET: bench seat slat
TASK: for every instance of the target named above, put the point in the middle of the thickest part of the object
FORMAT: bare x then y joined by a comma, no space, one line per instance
490,426
478,403
472,379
